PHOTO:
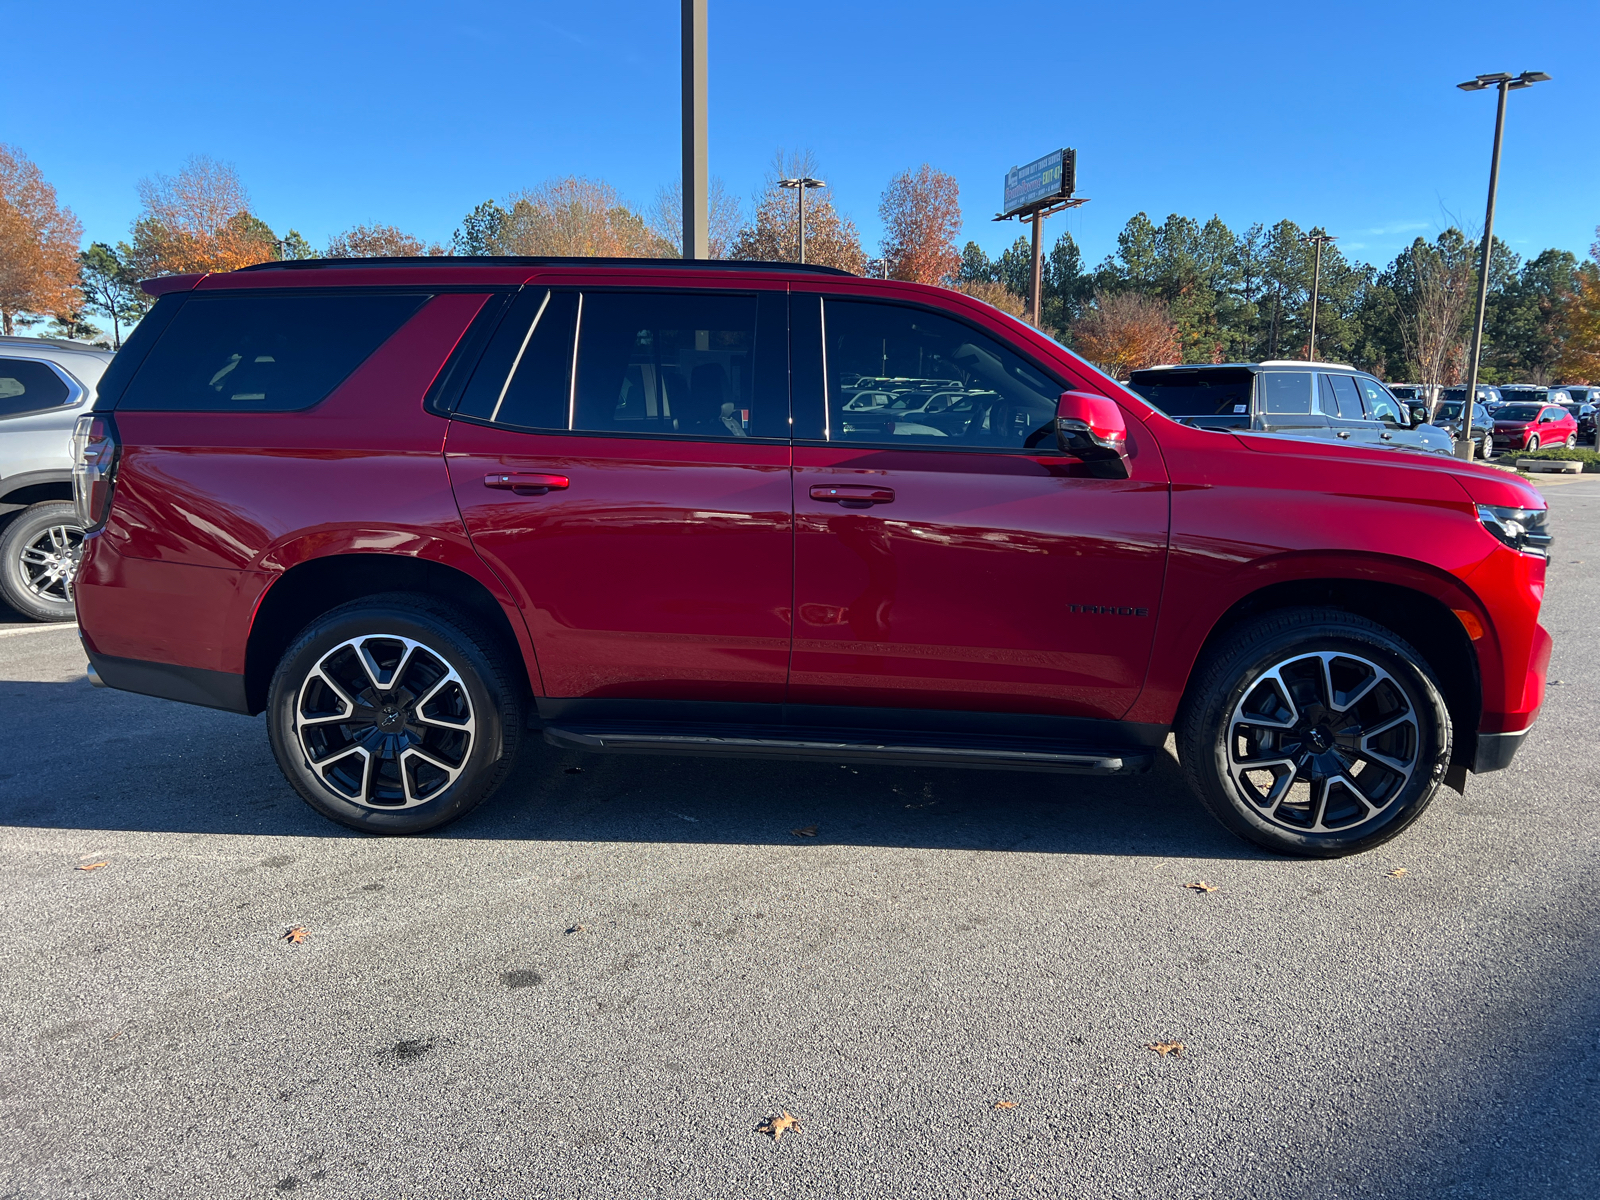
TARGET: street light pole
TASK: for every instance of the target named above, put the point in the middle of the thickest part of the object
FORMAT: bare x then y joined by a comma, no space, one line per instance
696,214
1318,238
1506,85
802,184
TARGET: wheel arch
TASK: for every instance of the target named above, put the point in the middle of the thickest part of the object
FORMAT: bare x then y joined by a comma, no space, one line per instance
310,588
35,487
1423,620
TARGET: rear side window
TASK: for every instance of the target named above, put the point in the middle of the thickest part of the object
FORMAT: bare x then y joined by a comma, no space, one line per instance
1284,392
263,353
27,386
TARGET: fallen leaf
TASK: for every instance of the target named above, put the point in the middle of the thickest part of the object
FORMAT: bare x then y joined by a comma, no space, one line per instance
779,1125
1165,1048
1005,1104
1397,873
90,866
296,934
805,831
1202,886
577,929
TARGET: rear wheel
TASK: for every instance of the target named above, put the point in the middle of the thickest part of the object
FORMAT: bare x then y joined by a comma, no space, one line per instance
394,714
1572,440
38,558
1314,732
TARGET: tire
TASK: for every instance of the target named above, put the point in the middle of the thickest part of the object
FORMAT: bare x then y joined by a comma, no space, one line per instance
38,558
443,714
1314,800
1533,443
1572,440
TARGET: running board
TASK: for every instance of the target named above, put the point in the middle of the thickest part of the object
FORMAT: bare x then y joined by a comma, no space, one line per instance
1018,754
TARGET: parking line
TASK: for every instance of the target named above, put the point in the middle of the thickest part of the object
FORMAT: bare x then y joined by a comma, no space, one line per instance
51,627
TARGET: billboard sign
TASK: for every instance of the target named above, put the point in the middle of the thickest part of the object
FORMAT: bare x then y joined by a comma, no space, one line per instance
1044,179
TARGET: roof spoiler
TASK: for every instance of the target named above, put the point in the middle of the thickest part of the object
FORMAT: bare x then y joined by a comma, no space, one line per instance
163,284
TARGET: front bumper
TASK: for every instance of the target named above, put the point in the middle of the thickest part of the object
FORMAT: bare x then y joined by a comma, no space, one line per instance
1496,750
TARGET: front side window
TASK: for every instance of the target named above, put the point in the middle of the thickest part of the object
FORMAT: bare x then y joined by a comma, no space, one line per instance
1381,406
255,353
908,376
28,385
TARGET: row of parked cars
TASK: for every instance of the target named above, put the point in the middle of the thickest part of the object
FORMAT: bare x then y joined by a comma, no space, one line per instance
1522,417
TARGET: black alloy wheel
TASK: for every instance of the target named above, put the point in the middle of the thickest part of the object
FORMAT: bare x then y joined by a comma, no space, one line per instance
1315,732
395,714
39,553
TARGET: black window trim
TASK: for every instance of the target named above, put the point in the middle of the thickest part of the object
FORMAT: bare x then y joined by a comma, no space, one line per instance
1050,373
572,377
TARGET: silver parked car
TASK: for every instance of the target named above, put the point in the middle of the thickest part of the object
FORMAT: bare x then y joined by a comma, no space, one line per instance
45,383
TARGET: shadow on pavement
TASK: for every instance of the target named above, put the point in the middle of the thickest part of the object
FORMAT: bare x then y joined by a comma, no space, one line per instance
75,757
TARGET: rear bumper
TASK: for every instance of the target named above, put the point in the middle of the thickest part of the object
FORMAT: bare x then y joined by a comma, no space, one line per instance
1496,750
191,685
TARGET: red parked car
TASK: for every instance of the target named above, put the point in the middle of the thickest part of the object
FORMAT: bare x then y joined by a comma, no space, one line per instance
1532,426
413,510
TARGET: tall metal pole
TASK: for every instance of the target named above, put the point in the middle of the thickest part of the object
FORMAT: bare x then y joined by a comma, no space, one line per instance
1036,279
1464,446
802,190
696,180
1316,292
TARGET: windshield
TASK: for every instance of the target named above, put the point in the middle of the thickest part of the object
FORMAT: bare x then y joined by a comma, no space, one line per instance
1195,393
1518,412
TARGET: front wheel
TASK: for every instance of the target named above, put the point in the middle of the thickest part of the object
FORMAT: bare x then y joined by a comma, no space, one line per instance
38,558
1533,443
394,714
1314,732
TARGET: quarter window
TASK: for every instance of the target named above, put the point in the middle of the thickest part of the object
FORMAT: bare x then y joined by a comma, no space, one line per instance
1285,392
263,353
27,385
905,375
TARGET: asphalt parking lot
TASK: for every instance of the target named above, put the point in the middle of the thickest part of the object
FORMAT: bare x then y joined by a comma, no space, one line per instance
601,982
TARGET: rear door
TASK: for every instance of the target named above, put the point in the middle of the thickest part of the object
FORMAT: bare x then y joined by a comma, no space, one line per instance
621,461
940,563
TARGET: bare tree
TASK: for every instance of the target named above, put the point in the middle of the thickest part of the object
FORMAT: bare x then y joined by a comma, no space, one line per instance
1434,303
921,212
379,241
666,218
774,233
575,217
38,244
197,220
1124,331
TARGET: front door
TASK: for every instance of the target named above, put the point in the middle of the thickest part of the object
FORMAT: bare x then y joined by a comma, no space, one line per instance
622,465
940,563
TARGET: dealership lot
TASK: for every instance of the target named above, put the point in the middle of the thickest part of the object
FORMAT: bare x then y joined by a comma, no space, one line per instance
604,979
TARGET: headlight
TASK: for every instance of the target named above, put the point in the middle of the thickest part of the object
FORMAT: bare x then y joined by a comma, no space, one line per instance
1520,528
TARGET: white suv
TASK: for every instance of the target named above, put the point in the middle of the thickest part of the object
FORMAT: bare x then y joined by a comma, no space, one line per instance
45,383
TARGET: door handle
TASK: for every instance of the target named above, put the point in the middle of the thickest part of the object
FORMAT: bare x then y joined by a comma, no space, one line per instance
1387,437
852,495
526,483
1344,433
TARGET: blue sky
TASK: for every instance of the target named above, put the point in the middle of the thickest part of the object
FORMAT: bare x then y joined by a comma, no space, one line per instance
409,114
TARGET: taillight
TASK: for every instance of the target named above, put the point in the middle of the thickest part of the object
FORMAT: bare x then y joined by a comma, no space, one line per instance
94,467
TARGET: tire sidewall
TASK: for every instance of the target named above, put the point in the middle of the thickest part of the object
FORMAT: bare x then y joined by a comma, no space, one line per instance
450,645
1422,693
21,530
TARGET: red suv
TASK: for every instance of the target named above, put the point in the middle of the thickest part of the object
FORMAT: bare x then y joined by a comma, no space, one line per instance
413,510
1520,426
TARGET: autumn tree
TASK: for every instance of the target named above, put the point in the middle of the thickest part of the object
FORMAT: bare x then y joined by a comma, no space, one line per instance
1122,332
1579,322
921,214
666,219
378,241
773,234
574,217
197,220
994,293
38,244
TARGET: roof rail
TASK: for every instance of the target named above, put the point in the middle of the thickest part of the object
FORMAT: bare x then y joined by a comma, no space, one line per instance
517,260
